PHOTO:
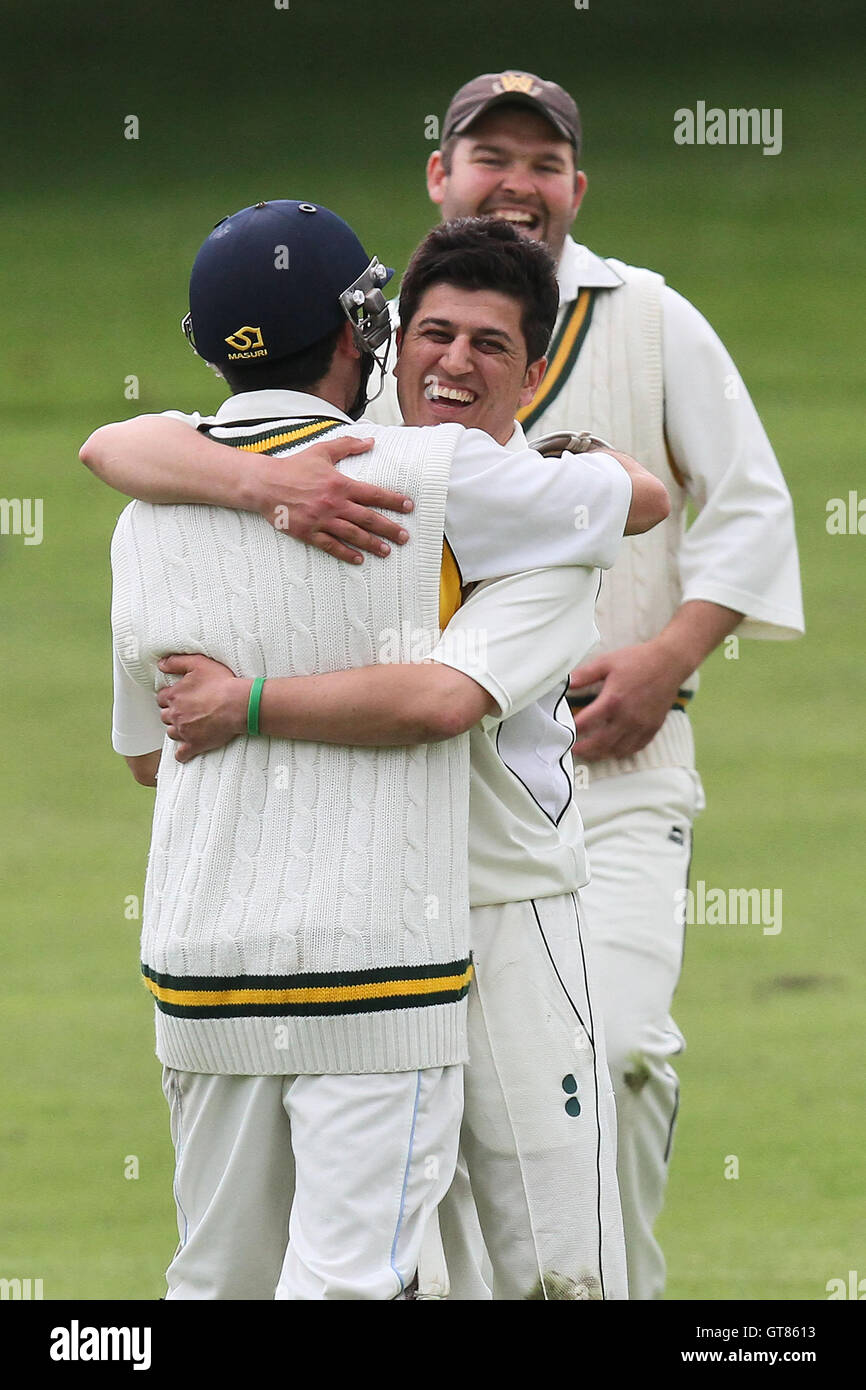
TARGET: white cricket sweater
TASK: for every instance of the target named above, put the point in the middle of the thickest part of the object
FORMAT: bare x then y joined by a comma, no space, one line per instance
647,372
615,389
306,905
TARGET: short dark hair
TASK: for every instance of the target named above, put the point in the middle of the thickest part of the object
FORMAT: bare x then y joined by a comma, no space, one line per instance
446,151
486,253
297,372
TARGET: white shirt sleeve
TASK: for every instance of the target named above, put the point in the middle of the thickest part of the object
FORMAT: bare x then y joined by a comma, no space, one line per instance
741,550
519,635
136,726
510,510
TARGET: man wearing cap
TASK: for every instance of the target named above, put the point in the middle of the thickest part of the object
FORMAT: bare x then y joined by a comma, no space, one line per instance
633,361
311,1023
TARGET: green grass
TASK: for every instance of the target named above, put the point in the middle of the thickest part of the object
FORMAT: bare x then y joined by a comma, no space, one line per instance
770,249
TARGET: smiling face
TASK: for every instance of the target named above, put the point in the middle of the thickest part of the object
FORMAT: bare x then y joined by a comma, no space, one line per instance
512,163
462,358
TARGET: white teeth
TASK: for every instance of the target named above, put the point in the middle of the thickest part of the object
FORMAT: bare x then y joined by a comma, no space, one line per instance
451,393
512,215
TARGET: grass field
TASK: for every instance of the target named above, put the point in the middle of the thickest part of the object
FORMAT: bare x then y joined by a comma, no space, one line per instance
771,250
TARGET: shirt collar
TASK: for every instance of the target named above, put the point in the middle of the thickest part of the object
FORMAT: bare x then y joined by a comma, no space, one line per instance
579,268
517,442
275,405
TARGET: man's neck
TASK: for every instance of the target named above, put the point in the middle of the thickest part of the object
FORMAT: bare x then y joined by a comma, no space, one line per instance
337,390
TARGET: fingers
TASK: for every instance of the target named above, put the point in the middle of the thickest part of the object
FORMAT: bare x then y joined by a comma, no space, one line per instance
331,546
356,530
589,674
180,664
603,710
591,749
337,449
369,495
367,520
342,534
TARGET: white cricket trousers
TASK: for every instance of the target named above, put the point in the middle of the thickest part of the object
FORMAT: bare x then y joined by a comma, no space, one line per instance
538,1134
307,1187
638,829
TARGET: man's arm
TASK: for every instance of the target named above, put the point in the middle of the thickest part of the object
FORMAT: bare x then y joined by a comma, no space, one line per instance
740,552
566,501
510,511
144,767
371,706
650,503
159,459
509,644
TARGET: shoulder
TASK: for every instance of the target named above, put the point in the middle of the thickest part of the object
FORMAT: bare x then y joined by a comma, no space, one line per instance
424,437
193,418
681,320
636,275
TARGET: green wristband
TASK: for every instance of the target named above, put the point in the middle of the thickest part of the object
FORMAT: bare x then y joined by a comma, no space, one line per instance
254,704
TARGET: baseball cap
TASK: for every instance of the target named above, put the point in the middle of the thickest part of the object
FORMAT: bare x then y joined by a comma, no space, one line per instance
267,282
524,88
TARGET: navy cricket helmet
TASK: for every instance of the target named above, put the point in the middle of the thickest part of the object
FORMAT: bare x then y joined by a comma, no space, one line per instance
275,278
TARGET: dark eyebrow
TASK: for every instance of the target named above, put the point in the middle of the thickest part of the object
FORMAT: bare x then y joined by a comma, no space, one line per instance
431,322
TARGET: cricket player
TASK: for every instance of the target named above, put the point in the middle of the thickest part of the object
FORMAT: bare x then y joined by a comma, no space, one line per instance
636,363
214,1011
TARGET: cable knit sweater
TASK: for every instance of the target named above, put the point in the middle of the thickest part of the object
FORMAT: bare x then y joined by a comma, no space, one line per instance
306,905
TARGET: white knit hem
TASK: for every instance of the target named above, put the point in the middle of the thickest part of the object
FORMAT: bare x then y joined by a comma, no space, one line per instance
403,1040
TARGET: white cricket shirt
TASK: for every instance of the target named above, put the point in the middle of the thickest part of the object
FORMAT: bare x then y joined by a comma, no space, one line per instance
520,637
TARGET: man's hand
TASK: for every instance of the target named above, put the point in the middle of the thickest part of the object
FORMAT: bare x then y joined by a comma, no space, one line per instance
639,686
162,460
206,708
305,495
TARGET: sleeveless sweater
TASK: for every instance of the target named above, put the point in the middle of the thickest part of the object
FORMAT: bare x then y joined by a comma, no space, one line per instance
306,905
615,389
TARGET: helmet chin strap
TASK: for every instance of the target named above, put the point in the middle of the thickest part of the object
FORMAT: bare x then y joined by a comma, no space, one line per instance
362,400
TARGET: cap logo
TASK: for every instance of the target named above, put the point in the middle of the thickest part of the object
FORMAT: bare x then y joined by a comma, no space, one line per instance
517,82
248,342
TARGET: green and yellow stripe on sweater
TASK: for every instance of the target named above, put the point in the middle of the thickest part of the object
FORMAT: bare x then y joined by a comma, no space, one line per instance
317,994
